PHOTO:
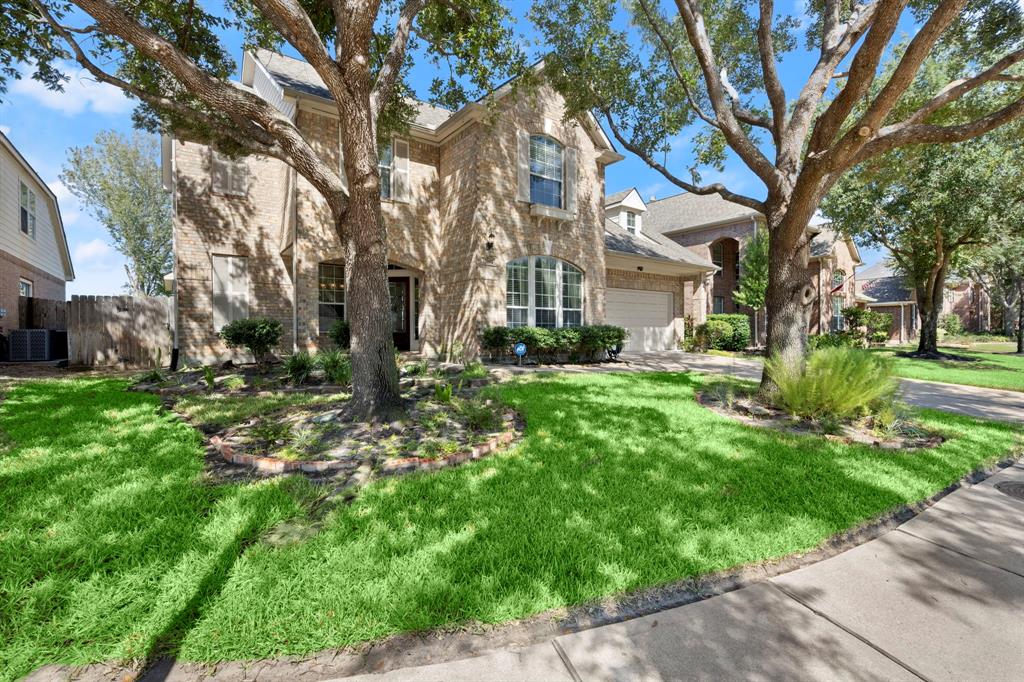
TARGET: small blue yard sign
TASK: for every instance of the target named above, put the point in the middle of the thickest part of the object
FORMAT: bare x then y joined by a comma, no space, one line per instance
520,349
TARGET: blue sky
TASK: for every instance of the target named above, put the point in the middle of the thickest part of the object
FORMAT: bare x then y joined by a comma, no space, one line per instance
44,124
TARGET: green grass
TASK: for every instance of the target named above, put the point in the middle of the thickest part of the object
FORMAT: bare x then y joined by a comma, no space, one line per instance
1001,370
110,547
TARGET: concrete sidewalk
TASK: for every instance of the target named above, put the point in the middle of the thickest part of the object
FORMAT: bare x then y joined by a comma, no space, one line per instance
939,598
988,403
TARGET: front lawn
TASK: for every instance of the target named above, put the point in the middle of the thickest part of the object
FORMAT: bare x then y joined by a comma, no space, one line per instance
113,547
988,369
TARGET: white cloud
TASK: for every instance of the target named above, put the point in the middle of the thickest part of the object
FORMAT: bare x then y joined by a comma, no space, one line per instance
6,130
94,249
70,210
81,93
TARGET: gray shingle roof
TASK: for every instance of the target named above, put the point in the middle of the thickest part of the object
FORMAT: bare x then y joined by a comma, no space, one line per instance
650,246
689,211
887,290
300,76
617,197
877,271
822,243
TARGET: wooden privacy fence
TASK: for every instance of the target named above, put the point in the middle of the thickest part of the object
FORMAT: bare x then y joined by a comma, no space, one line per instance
42,313
116,330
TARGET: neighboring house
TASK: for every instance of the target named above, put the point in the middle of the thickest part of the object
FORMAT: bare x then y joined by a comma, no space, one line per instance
34,257
495,215
881,288
718,230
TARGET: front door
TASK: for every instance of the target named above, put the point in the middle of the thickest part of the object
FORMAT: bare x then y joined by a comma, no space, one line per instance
398,288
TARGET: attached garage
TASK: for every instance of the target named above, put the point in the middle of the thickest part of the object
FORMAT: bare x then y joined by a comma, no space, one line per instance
646,314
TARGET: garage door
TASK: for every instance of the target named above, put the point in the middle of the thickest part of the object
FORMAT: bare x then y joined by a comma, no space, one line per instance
646,314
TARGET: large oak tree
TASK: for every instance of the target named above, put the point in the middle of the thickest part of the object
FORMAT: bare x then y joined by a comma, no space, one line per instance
169,55
714,65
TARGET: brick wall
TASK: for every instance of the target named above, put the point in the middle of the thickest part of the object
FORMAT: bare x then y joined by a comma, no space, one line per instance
44,285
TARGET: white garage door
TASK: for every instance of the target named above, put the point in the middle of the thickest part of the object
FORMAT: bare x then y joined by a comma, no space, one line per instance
646,314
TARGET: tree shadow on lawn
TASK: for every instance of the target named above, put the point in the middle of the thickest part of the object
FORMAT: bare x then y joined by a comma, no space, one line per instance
622,482
110,543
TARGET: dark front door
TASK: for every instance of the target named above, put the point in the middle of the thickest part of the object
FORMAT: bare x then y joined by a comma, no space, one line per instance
398,288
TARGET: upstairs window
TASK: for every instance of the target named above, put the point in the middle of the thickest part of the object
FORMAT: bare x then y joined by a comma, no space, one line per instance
229,176
28,211
630,222
546,164
718,254
393,165
543,292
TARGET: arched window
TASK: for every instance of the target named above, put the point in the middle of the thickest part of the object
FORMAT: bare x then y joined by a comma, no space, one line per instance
838,277
546,159
543,292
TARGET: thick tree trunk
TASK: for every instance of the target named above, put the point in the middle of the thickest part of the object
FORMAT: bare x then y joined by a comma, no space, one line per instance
929,305
375,390
789,295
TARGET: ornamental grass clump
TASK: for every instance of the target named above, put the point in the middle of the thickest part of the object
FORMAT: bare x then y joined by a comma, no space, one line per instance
837,383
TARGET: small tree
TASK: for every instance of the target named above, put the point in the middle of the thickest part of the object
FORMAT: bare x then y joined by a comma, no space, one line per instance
118,180
753,285
259,335
999,267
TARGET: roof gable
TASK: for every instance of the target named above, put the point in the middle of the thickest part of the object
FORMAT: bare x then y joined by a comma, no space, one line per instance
688,211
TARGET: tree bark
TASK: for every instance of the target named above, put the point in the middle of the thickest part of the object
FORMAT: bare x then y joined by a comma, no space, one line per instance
787,301
929,304
1020,320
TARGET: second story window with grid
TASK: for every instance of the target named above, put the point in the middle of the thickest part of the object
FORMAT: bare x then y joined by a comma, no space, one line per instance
546,164
28,211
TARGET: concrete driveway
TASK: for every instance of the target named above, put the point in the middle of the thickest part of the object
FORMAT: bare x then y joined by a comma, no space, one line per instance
972,401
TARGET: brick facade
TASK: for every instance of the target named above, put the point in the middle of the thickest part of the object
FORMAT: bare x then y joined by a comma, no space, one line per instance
463,223
12,271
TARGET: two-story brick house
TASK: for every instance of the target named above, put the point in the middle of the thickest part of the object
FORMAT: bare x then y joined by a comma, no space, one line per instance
719,230
34,256
495,215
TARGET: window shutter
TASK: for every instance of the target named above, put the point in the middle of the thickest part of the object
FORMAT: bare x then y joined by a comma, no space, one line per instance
239,177
570,180
239,288
221,295
400,185
523,166
219,172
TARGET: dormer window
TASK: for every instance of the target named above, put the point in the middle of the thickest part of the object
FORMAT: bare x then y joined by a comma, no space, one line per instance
546,162
631,222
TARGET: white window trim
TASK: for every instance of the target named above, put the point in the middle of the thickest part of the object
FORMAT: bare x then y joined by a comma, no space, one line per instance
27,201
319,291
31,287
561,181
230,293
395,170
531,289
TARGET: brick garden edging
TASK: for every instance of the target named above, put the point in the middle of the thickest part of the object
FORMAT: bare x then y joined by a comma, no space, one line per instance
388,467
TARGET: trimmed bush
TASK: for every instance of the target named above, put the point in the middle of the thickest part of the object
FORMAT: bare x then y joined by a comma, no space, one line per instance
576,343
299,366
257,334
341,334
714,335
837,383
833,340
740,338
951,324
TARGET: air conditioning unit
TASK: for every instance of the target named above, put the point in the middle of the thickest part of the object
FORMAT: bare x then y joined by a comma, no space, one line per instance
30,345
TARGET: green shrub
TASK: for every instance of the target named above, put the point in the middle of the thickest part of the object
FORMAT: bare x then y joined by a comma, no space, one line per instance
740,338
716,334
867,325
843,339
951,324
341,334
298,367
837,383
337,366
209,377
479,415
540,342
496,340
474,370
567,340
234,382
443,392
257,334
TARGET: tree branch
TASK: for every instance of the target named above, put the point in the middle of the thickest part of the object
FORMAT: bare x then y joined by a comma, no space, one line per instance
388,74
957,89
716,188
696,31
772,84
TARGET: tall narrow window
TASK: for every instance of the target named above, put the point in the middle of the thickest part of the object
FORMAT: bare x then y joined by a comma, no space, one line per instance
28,211
385,157
718,253
331,298
25,288
546,164
230,290
630,222
718,305
837,313
543,292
